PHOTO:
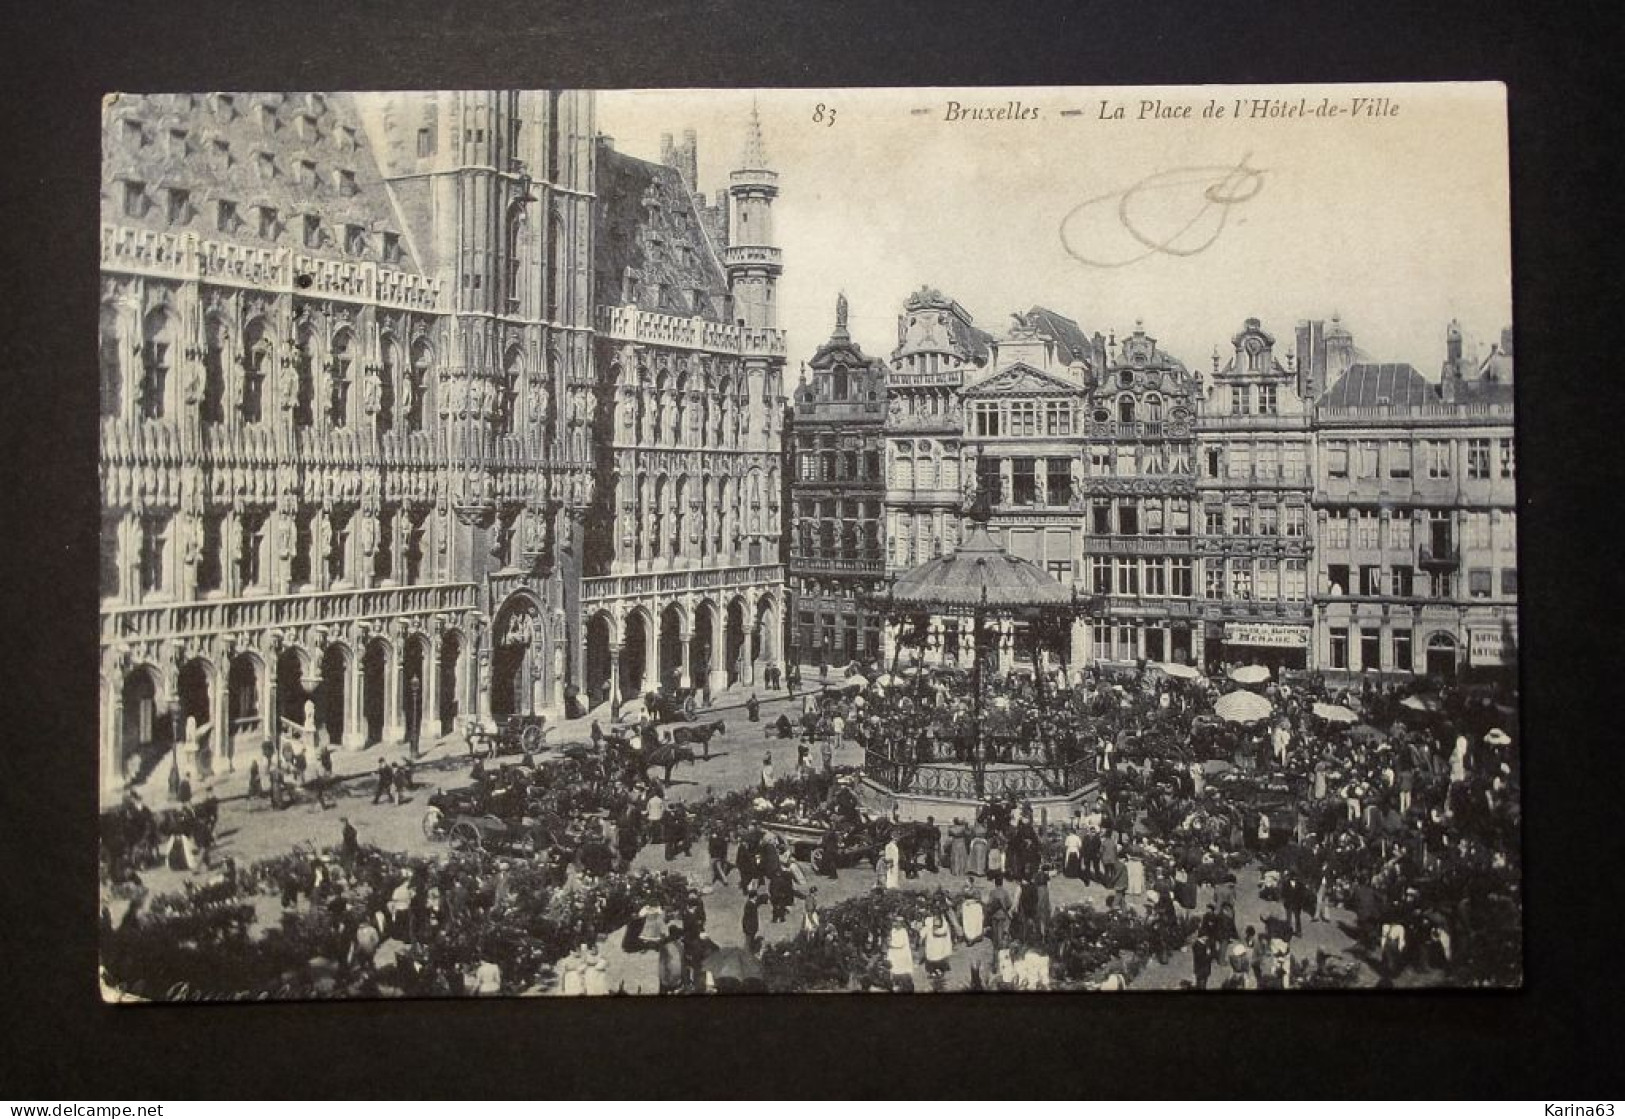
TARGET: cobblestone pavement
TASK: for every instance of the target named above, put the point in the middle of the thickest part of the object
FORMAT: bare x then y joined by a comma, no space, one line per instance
252,830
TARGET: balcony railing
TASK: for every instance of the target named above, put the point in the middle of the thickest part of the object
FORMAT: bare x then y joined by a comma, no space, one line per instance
603,588
190,619
1445,558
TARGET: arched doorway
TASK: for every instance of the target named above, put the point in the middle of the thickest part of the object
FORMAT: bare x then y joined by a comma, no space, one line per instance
700,645
374,680
448,686
515,635
634,655
192,687
243,697
145,733
671,647
1441,655
733,643
600,653
290,686
413,686
330,701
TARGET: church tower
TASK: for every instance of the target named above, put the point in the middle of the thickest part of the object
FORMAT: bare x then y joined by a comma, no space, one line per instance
752,261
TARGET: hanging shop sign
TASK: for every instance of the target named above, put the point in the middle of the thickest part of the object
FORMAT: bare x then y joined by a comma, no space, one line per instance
1263,633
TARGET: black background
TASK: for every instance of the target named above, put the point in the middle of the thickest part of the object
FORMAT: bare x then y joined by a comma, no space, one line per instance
1548,1041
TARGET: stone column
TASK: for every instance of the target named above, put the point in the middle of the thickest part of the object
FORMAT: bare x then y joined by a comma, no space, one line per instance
220,716
395,693
683,638
718,679
429,720
355,730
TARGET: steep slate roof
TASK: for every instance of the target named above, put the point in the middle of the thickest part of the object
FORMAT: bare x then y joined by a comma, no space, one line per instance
645,220
1366,385
1073,343
212,146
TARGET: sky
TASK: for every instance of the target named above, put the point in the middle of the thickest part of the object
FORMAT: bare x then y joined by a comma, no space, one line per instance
1396,222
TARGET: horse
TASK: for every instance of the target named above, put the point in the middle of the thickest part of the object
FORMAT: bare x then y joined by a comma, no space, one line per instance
697,733
668,755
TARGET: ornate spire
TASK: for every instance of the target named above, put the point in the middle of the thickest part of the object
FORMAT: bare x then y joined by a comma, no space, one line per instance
755,157
840,317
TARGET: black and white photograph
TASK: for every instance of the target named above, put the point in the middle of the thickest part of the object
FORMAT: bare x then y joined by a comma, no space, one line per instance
807,541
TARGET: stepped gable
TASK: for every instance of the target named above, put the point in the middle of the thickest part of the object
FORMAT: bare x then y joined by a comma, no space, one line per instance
291,154
650,248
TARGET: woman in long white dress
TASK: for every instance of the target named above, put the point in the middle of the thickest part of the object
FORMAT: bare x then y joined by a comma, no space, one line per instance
894,865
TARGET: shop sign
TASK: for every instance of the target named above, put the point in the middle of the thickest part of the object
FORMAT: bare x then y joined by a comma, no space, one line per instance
1263,633
1487,646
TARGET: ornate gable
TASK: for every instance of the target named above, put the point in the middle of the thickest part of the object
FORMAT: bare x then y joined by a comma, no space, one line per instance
1022,379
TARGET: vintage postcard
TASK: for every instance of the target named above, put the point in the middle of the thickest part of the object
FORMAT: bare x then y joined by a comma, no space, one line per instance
851,540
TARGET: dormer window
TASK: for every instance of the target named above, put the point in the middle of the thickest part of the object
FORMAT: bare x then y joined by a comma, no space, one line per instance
176,141
267,116
134,135
266,222
311,231
222,152
225,216
305,172
265,165
135,198
355,240
391,247
345,136
344,180
178,205
305,124
225,106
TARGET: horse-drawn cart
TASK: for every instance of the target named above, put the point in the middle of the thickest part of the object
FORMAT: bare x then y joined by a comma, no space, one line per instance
512,735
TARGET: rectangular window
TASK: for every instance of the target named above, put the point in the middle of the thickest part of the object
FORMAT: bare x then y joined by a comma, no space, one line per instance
1370,648
1509,582
1441,585
1479,582
987,420
1337,528
1240,463
1240,400
1402,581
1153,517
1507,465
225,216
1370,580
1100,460
1267,402
1024,481
989,479
1241,579
1100,517
266,222
1269,520
1213,579
1156,579
1478,458
1100,574
179,206
1476,530
1024,418
1128,517
1399,532
1269,581
1241,520
1337,460
1337,579
1266,467
1058,417
1128,576
1399,460
311,231
1293,524
1368,529
1438,458
1180,515
1292,469
1295,580
1213,520
425,142
1340,647
1213,462
1059,570
1181,582
1366,460
1128,461
1402,650
871,466
1058,481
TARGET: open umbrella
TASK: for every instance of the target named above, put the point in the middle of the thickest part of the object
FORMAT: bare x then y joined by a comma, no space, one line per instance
1420,703
1183,671
1334,713
1250,674
734,971
1242,707
1498,737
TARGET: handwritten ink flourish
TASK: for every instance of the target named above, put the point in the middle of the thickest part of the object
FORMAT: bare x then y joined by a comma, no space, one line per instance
1220,186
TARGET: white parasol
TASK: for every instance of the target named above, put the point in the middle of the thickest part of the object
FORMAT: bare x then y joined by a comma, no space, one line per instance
1498,737
1183,671
1250,674
1420,703
1335,713
1242,707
